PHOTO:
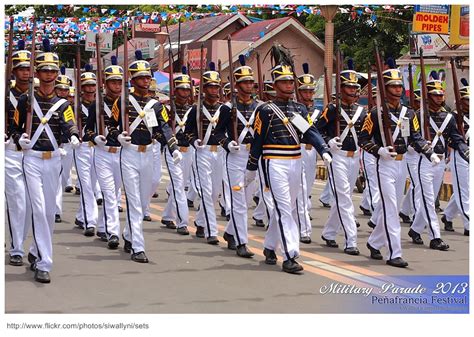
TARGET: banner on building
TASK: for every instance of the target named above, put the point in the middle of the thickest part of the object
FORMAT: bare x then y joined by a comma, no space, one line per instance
459,25
105,40
431,19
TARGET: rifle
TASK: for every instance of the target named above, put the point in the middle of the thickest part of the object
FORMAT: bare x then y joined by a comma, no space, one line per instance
259,77
338,92
370,99
457,98
221,90
99,102
125,91
77,98
410,83
191,98
424,99
380,85
327,85
31,85
9,71
171,84
200,97
232,93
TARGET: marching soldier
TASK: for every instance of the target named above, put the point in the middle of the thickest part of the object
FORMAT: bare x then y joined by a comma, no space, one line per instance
344,167
428,180
61,88
51,117
17,203
390,165
237,149
459,202
206,164
282,159
177,207
87,214
146,116
107,153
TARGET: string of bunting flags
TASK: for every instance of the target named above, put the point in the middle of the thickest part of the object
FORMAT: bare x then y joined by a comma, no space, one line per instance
64,29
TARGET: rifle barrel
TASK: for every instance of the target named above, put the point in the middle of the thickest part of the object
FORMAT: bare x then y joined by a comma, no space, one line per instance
200,97
424,99
9,71
124,105
457,99
99,98
77,97
259,77
31,88
232,88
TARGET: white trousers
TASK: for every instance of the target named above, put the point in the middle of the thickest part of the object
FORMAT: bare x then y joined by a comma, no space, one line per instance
309,158
284,186
343,172
156,177
137,176
42,179
302,208
265,205
391,175
209,181
224,200
408,206
370,196
239,194
17,204
459,202
107,167
176,208
428,182
88,210
192,193
66,166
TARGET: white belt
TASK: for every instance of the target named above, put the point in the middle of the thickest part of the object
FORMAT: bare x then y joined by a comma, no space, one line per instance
110,149
245,147
349,154
212,148
306,146
140,148
42,154
87,144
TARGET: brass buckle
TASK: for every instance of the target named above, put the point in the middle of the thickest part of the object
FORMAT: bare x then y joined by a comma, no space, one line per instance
399,156
247,146
350,154
183,149
141,148
46,155
90,143
213,148
308,146
112,150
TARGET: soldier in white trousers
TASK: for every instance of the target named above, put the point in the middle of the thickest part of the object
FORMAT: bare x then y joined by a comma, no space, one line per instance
17,204
344,168
428,179
459,202
51,117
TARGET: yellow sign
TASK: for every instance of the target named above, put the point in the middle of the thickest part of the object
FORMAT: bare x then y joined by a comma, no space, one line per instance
431,23
459,25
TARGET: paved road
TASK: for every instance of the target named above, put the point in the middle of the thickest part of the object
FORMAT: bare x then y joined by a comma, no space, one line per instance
186,275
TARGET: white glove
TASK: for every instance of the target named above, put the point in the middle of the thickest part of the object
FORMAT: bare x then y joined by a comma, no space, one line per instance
25,142
197,144
249,177
327,158
233,146
177,156
387,152
62,152
335,144
435,159
100,140
124,139
75,143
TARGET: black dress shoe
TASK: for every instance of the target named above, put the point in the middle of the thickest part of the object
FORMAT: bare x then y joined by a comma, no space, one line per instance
57,218
305,239
230,241
147,218
199,231
155,195
140,257
351,251
270,256
113,242
42,276
227,217
127,245
439,210
243,251
168,224
120,209
102,236
79,224
365,211
78,190
212,240
16,260
357,224
415,237
448,225
439,244
256,200
190,204
31,258
397,262
182,230
89,231
325,205
374,253
99,201
292,267
68,189
330,243
466,232
223,212
371,224
405,218
259,223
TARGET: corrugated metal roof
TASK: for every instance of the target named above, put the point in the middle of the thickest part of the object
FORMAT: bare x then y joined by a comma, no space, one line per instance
257,30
